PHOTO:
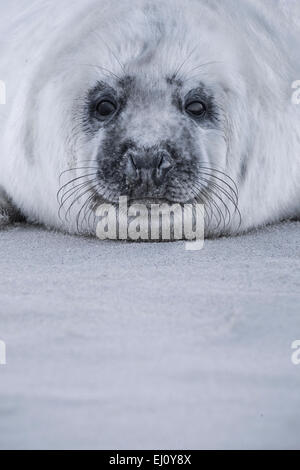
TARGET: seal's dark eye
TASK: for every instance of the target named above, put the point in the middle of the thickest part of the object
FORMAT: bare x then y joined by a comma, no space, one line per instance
196,108
105,109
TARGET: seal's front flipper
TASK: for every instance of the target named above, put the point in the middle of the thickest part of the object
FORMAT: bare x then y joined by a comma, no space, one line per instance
8,213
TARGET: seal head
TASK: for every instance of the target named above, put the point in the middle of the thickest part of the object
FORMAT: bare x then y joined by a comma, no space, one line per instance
163,101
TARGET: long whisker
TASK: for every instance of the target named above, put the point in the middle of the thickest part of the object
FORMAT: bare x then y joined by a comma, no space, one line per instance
70,182
204,192
216,190
195,76
74,191
221,172
203,199
233,199
83,207
78,168
184,62
111,51
104,69
219,193
205,64
218,178
77,198
227,211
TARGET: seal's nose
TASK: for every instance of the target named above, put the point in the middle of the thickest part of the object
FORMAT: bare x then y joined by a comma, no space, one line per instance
147,166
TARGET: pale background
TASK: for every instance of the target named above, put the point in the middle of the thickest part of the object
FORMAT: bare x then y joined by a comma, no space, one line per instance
122,345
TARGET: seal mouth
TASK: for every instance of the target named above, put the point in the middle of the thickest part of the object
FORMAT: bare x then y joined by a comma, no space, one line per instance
80,197
147,201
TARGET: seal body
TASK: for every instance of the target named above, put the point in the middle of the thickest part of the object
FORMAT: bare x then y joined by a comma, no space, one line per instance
159,100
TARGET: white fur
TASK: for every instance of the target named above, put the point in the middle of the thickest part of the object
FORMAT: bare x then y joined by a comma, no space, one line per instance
47,57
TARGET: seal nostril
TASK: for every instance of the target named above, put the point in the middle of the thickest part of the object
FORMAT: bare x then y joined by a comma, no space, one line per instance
133,162
131,170
147,166
164,163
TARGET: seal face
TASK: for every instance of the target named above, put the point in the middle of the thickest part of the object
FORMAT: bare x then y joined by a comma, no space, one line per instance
159,101
164,164
155,134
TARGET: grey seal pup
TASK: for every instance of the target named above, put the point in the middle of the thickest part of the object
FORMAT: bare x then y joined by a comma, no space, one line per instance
157,100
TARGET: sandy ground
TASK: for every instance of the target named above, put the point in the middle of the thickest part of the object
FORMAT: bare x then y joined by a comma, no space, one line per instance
117,345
